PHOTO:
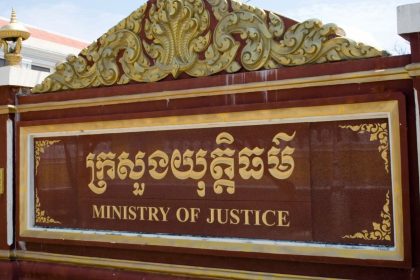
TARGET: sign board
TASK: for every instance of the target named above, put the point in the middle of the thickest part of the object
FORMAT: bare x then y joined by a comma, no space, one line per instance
313,181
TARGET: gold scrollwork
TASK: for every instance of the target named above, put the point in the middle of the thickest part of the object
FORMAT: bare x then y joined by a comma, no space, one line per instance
40,147
378,132
179,37
381,231
40,215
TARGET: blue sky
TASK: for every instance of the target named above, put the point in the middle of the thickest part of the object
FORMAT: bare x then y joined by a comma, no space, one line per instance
368,21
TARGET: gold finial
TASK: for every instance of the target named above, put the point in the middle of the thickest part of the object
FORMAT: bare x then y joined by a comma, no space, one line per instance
13,17
11,37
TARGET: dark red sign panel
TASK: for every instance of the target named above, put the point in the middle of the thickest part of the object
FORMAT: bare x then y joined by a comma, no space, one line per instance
317,182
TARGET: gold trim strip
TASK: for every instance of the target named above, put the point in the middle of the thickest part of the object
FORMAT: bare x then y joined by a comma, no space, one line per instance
316,113
159,268
413,69
326,80
5,255
8,109
1,181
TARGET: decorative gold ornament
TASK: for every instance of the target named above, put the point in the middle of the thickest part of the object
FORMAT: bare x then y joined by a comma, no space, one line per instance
378,132
171,37
40,147
11,37
40,215
381,231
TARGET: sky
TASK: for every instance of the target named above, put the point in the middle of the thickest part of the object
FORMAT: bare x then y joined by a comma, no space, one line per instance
372,22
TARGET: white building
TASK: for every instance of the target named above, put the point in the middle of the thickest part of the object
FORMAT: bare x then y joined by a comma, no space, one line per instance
41,52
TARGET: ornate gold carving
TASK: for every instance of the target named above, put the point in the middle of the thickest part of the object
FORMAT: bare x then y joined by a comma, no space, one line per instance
40,147
378,132
179,38
40,215
381,231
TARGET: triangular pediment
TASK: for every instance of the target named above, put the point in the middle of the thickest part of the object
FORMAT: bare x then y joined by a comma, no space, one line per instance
199,38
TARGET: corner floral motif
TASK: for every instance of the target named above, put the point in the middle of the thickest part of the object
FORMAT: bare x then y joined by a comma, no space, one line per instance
199,38
40,147
40,215
378,132
381,231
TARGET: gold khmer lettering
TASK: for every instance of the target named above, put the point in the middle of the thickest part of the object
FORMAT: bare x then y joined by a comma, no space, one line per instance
194,165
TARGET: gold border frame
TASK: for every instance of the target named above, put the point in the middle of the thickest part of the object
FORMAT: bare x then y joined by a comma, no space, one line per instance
2,182
160,268
386,109
7,109
378,75
413,69
5,255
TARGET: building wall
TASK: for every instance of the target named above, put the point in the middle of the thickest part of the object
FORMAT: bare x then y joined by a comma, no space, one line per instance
44,49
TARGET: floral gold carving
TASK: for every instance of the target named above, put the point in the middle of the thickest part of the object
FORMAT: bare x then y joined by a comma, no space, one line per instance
381,231
378,132
40,147
41,216
172,37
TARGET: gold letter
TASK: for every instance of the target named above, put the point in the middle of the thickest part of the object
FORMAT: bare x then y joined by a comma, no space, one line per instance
125,165
211,219
234,217
187,160
194,214
158,159
223,164
90,163
126,168
264,218
281,167
182,217
284,218
132,213
139,162
98,213
246,170
164,212
188,165
103,160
